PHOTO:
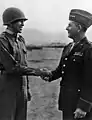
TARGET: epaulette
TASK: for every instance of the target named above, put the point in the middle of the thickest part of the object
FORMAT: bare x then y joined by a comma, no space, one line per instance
4,38
90,43
2,35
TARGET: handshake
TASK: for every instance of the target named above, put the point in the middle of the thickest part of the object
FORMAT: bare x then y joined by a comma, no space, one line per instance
44,73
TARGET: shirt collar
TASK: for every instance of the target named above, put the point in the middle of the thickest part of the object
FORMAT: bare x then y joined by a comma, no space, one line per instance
81,41
11,33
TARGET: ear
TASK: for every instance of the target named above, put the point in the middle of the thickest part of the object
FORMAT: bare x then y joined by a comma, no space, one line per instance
79,27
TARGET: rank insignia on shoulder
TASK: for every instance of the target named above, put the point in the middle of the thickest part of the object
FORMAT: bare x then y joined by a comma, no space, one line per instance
78,53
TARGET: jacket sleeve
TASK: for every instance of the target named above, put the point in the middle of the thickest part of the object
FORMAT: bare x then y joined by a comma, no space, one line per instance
57,72
85,101
9,63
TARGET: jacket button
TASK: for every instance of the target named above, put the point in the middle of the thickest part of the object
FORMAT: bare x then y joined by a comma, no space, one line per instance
62,72
73,59
63,65
78,90
65,58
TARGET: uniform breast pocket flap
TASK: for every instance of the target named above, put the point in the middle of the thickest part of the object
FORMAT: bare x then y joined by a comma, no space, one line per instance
77,57
78,54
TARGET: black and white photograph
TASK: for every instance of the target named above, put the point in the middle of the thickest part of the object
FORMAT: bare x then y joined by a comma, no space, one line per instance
45,60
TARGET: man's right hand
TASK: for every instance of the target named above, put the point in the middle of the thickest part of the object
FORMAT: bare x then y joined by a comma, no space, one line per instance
46,74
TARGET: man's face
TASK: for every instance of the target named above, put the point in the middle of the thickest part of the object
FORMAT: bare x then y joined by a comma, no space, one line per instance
72,29
18,26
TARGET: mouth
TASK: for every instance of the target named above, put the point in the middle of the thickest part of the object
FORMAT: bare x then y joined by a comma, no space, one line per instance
68,33
21,28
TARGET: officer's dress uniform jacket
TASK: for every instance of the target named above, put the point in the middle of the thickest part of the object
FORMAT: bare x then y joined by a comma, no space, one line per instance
75,68
13,87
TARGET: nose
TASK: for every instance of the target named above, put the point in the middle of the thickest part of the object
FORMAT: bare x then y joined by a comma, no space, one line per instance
22,23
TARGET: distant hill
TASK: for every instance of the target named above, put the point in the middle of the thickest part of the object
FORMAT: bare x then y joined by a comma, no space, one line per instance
50,45
1,29
34,36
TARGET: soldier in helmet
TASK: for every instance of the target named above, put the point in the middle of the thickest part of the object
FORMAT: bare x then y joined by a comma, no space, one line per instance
14,91
75,68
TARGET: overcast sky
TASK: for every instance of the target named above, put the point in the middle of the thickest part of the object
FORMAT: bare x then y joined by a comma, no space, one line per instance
46,15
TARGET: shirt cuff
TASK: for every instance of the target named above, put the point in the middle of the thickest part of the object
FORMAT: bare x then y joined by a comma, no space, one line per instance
84,105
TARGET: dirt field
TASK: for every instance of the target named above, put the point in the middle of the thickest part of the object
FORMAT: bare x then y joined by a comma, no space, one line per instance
43,105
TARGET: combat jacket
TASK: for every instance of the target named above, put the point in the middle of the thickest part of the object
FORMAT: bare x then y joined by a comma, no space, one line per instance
15,45
75,68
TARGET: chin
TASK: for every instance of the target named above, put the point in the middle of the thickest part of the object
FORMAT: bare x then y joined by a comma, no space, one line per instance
70,36
19,31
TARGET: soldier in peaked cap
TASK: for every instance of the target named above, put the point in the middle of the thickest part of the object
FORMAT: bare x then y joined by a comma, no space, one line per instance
75,68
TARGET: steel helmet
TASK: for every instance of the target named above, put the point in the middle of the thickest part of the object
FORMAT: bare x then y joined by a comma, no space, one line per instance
12,14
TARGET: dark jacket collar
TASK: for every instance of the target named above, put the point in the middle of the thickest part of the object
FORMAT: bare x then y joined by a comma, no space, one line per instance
80,44
11,33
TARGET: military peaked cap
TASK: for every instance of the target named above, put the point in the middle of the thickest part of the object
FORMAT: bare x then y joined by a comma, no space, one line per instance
81,16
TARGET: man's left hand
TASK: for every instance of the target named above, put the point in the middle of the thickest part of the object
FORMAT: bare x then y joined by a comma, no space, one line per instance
79,113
